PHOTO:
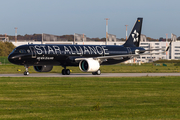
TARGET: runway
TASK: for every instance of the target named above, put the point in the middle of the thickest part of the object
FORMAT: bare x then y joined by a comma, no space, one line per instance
90,75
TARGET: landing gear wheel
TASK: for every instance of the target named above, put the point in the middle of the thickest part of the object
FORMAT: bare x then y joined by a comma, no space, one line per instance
63,71
26,73
66,72
97,72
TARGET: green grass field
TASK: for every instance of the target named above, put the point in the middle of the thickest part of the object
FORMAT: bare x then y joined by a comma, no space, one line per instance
172,66
119,68
140,98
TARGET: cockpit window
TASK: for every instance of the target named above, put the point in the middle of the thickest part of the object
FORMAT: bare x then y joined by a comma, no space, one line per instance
22,51
14,50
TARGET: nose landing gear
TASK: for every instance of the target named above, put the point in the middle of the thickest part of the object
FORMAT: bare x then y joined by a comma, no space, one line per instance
26,72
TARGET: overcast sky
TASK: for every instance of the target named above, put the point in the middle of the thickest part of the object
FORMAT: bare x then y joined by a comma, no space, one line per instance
62,17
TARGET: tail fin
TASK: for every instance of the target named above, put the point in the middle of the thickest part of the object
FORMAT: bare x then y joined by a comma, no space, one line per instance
134,37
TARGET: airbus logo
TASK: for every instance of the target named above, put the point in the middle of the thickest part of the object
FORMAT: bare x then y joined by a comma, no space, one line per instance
135,36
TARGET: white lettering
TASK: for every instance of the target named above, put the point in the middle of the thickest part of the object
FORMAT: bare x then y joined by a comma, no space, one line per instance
45,58
92,50
99,50
66,50
105,53
38,50
57,49
77,51
80,50
50,50
72,50
86,50
44,50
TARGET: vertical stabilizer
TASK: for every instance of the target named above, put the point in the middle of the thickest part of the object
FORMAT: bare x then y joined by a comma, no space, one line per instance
134,37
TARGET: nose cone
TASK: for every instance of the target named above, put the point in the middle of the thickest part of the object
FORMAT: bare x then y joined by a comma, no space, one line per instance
11,58
15,59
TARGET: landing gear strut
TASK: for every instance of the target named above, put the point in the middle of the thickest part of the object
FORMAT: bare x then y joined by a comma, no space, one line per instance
97,72
26,72
66,71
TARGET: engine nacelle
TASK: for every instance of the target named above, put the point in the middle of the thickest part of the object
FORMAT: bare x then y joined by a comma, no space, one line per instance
89,65
44,68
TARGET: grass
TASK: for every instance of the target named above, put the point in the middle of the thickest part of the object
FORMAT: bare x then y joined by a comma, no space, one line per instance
141,98
4,60
119,68
173,66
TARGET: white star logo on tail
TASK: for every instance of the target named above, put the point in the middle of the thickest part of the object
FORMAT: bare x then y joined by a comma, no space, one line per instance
135,36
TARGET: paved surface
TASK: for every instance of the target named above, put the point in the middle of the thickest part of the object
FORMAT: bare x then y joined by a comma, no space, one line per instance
90,75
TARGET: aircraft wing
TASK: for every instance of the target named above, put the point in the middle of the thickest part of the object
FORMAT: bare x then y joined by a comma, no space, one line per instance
109,57
102,58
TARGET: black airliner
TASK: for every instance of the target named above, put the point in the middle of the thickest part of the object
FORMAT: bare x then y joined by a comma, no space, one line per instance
88,57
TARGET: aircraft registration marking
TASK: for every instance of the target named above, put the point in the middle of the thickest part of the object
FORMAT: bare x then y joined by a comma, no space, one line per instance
45,58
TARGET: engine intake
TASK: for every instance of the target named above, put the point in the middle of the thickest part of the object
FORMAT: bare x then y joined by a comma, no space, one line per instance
44,68
89,65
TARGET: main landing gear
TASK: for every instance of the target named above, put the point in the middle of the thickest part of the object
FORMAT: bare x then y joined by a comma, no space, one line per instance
97,72
66,71
26,72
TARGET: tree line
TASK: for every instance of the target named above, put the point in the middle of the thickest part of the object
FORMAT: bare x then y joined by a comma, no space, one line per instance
6,48
38,37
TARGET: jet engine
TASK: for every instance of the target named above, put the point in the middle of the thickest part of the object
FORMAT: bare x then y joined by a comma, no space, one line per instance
89,65
44,68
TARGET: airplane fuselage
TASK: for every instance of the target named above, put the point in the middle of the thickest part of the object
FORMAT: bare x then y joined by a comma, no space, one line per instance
64,55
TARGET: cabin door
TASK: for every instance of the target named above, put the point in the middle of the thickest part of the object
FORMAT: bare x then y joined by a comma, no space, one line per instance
33,51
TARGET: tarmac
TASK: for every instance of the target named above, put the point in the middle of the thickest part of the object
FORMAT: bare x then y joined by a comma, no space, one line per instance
90,75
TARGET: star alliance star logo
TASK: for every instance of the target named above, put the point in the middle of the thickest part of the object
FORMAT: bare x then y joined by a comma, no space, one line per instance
135,36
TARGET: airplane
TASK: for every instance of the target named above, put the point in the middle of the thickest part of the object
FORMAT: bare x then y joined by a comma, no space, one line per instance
88,57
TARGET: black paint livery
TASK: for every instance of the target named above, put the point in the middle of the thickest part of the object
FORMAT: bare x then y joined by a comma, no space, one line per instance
88,57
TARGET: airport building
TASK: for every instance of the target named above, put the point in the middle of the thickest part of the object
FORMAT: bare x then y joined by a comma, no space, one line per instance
172,53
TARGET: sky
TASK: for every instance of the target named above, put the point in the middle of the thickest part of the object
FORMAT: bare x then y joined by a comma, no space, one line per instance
66,17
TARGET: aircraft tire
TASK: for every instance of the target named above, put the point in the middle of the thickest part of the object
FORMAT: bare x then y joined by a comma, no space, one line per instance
67,72
63,71
98,72
26,73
